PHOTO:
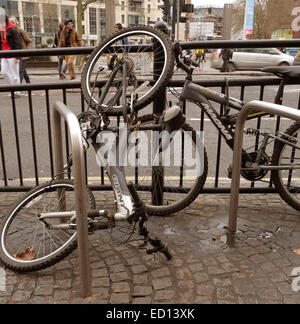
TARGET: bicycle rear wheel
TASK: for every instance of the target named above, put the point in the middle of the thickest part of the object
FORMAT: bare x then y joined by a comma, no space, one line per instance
28,243
138,47
287,182
177,177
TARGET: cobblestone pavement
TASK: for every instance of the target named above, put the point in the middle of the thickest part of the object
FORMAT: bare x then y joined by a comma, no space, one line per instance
260,268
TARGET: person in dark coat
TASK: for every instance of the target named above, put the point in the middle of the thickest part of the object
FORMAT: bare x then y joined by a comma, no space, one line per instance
26,42
61,58
10,39
226,55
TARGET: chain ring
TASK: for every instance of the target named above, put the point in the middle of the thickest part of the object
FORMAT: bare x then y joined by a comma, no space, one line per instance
255,175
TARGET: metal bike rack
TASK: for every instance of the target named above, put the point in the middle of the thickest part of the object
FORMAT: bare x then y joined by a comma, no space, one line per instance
237,152
59,111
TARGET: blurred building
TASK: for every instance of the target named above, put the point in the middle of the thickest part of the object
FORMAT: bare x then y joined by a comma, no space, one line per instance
208,20
40,18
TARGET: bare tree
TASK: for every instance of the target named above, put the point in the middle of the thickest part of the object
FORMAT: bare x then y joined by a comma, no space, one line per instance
269,15
82,5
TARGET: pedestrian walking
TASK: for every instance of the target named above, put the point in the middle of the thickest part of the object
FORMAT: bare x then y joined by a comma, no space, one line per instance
61,71
200,55
226,55
26,42
10,39
70,38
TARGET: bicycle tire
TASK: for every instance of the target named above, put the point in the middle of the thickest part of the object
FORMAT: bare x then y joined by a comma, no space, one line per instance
159,84
32,199
185,197
287,191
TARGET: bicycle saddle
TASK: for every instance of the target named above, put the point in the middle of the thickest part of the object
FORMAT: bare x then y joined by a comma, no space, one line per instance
284,71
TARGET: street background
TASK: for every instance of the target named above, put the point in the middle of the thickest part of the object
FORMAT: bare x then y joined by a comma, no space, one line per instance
193,114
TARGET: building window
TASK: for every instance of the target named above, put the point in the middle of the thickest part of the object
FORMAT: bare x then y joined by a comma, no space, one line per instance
136,20
102,31
93,21
67,12
11,8
31,13
50,18
135,6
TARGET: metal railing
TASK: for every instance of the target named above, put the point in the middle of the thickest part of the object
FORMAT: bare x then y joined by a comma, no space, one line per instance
238,143
61,111
12,123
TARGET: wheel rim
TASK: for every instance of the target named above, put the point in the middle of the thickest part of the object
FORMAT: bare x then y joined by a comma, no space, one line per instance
290,179
142,65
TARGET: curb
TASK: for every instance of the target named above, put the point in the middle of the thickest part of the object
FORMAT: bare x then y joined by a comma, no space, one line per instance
207,72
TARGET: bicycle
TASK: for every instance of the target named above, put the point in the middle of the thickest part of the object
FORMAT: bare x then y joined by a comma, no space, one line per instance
255,165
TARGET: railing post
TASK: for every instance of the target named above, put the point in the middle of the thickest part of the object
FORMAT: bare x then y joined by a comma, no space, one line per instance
60,110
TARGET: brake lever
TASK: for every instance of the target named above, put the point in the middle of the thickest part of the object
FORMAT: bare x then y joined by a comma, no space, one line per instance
177,51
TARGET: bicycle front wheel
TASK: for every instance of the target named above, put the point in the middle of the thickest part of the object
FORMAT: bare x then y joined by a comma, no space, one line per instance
147,53
287,182
169,179
29,242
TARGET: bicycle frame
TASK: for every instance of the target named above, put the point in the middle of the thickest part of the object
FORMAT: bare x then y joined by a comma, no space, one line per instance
201,96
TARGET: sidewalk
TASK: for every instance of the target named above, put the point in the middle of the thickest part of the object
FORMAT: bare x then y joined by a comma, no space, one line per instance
206,71
203,269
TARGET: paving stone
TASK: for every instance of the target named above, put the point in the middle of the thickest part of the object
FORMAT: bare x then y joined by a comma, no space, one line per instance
196,267
44,290
120,287
100,282
161,283
165,294
61,295
140,291
183,273
161,272
139,269
142,300
119,276
99,273
206,290
201,277
117,268
122,298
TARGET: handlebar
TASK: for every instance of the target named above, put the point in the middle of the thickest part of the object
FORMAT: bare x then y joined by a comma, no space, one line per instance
181,65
